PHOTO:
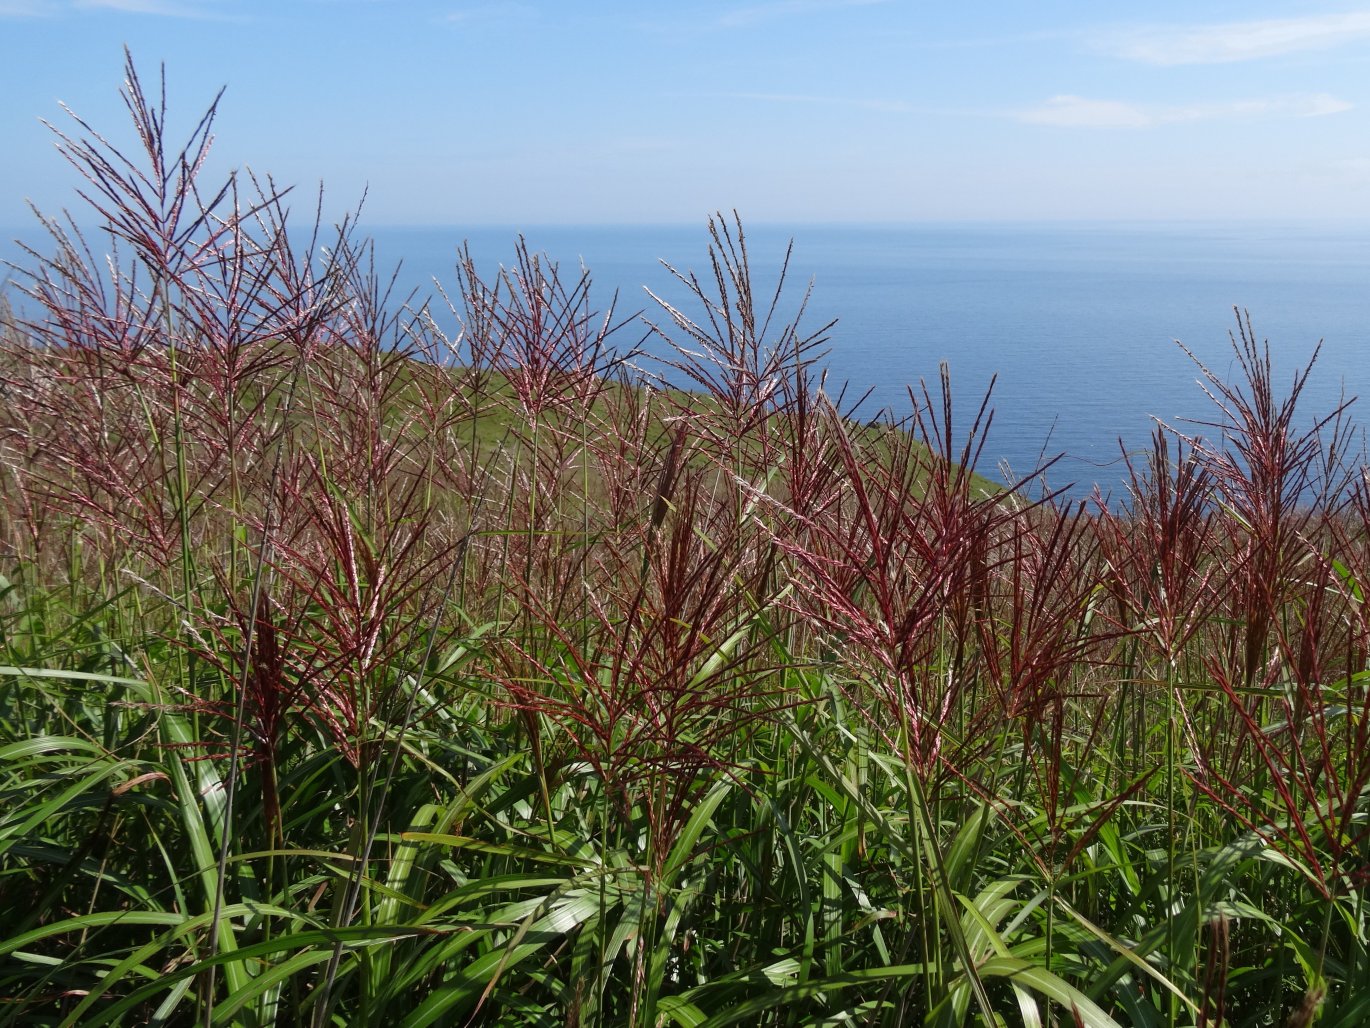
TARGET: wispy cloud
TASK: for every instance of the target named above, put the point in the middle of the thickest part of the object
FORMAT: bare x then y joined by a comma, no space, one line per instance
1081,112
491,12
158,8
1344,176
863,103
205,10
755,14
27,8
1358,166
1229,42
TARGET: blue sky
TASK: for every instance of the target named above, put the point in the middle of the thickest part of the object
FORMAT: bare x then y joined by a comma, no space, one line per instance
790,111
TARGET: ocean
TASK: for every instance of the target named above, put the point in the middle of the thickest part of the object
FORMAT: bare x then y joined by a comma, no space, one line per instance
1077,323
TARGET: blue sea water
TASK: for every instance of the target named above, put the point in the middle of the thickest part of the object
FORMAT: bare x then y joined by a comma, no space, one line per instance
1078,322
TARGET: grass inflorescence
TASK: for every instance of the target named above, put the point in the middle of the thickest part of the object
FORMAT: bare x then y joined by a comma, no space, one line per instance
351,673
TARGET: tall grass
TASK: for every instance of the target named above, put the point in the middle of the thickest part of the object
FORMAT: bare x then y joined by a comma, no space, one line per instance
352,672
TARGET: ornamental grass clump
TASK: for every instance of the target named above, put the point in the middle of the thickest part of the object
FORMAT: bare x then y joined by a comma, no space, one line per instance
1292,766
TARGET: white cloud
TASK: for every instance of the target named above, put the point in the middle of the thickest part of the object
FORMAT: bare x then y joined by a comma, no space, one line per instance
26,8
158,8
1068,111
1318,104
492,12
757,13
1351,170
893,106
1078,112
1235,41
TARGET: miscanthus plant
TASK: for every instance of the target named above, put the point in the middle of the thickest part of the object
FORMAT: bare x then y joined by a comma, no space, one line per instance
353,673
